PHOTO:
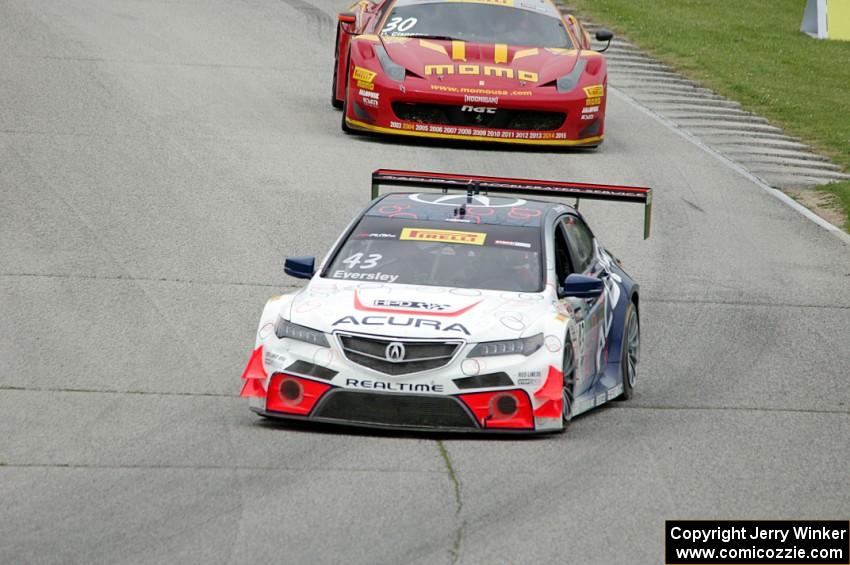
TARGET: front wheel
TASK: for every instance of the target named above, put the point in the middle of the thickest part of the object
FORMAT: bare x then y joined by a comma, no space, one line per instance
336,102
569,368
630,355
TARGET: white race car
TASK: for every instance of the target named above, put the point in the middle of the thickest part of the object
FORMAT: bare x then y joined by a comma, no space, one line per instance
454,312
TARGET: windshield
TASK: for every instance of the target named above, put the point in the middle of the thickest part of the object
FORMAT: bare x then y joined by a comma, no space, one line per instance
461,255
477,23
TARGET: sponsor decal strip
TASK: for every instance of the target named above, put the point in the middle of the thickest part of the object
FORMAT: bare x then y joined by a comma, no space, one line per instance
358,305
503,137
394,387
446,236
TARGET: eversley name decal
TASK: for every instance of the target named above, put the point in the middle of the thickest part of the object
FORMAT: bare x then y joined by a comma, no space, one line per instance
379,276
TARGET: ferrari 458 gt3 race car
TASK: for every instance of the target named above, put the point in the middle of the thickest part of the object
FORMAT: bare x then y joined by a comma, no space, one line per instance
458,312
513,71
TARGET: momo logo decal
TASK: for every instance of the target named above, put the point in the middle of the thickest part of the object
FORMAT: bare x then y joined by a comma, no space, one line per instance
401,321
456,200
478,70
447,236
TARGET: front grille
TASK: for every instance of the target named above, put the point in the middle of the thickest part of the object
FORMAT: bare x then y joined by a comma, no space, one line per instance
403,410
501,119
419,355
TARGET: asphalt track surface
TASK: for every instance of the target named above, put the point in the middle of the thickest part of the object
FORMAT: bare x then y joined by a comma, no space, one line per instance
158,160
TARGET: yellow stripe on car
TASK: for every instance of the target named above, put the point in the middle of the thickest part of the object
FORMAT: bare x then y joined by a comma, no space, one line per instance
526,53
432,46
500,53
458,50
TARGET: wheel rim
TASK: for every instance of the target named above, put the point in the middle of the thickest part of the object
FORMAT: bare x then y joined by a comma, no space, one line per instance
633,349
569,380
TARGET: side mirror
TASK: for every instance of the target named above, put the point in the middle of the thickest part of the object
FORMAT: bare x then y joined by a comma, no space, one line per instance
580,286
347,18
300,267
604,35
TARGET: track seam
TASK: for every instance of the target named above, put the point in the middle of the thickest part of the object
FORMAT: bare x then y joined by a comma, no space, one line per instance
144,279
204,468
744,302
454,552
620,406
14,388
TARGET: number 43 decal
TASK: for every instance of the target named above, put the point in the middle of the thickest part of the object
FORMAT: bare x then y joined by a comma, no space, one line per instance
356,261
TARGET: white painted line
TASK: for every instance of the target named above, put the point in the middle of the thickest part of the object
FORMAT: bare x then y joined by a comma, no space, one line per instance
835,230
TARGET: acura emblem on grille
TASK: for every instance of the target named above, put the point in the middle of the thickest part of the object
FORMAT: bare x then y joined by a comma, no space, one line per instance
394,352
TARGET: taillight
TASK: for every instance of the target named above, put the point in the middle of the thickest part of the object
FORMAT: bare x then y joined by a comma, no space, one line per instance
294,395
510,409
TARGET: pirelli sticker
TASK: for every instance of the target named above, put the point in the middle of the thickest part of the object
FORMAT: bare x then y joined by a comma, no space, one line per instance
595,91
446,236
364,78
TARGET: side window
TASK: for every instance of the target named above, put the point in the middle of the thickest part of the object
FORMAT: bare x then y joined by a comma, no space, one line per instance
562,255
581,242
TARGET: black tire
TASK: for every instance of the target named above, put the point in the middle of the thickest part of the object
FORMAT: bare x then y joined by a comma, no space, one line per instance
568,366
342,123
336,102
630,352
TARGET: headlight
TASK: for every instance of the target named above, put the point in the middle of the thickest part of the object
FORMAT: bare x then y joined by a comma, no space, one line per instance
284,328
393,70
525,346
569,82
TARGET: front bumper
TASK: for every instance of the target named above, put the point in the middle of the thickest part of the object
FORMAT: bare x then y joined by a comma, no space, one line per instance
395,411
372,110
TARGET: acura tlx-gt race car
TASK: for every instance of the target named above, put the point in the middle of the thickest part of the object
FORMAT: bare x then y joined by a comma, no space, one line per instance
457,312
513,71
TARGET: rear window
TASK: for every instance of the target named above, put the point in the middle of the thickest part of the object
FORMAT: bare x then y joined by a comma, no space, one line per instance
453,254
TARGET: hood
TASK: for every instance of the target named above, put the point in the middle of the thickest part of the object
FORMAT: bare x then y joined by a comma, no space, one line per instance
458,63
410,311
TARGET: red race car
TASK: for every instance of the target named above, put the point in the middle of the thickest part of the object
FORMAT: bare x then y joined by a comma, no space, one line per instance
513,71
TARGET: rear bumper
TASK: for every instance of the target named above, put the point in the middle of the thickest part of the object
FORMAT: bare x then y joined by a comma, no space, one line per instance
430,413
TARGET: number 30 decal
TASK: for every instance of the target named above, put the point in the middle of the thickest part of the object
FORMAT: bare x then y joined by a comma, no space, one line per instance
399,24
354,262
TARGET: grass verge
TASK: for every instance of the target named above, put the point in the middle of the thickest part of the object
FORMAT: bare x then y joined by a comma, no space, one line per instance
751,51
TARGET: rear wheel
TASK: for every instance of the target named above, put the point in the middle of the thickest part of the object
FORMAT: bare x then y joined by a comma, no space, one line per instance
569,368
630,356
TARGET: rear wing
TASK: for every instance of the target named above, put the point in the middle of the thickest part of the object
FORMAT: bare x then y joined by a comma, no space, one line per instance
473,184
